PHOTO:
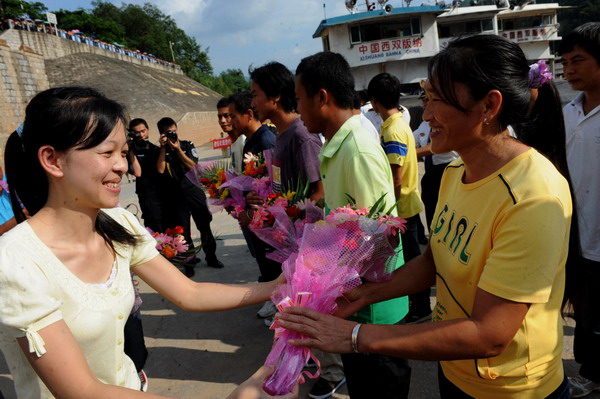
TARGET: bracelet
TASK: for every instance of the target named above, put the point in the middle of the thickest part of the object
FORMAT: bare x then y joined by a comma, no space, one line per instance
355,331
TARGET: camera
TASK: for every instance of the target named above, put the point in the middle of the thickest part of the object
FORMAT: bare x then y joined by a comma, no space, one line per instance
136,141
134,135
171,135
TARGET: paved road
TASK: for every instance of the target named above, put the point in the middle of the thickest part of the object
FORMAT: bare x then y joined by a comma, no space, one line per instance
208,355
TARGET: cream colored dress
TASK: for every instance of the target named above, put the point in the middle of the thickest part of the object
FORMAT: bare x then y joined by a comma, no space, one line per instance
36,290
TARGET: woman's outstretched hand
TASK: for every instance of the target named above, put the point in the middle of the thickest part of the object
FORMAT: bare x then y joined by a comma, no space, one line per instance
252,387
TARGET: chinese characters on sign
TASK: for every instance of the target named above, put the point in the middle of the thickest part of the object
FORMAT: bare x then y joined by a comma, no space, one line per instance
221,143
389,48
529,34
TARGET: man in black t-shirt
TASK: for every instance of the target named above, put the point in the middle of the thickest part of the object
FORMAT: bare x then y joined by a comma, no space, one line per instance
175,158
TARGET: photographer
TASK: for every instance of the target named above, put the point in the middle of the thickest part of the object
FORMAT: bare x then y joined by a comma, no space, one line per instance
148,184
175,158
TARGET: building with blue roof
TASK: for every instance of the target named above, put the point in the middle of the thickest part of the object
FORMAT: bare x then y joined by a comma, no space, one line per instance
400,40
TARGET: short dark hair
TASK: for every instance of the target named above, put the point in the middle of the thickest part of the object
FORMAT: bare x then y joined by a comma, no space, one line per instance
330,71
385,89
242,102
137,121
224,102
276,80
164,124
364,95
357,101
586,36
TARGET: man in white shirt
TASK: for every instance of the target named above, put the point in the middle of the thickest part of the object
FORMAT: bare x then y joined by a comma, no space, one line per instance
580,51
237,140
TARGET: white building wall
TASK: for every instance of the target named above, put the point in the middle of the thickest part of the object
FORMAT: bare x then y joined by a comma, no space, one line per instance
406,58
536,50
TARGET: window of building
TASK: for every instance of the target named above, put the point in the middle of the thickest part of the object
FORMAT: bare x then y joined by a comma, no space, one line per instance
526,22
325,43
466,27
355,34
487,25
394,29
547,19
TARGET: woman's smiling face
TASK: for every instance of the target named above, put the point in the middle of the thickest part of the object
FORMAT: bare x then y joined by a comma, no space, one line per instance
92,177
451,129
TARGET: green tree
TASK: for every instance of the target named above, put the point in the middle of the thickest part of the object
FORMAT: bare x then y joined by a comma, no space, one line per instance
103,29
234,80
581,11
143,28
17,8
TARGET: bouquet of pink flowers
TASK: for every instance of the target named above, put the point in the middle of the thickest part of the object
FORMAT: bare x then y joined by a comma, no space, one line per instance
172,245
333,256
212,175
280,222
226,188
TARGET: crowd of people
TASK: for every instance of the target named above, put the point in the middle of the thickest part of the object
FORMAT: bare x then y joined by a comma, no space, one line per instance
511,191
26,23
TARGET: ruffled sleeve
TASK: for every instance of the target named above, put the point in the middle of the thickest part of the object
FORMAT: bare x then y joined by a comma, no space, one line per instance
28,302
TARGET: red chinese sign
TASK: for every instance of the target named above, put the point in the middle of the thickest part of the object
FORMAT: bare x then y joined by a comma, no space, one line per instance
530,34
221,143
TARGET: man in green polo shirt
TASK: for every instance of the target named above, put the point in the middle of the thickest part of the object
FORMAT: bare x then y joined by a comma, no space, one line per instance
354,165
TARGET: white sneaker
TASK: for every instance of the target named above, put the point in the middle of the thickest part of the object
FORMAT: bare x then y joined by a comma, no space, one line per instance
267,310
580,386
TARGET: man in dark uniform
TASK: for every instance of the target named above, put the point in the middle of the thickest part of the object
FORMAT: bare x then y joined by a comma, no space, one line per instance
175,158
148,186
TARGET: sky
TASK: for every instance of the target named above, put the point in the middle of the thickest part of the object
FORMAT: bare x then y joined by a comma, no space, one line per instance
240,33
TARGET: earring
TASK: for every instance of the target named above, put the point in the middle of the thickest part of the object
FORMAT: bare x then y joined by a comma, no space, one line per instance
485,122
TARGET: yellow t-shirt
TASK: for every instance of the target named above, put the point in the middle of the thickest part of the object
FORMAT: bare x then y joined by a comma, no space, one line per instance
399,145
507,234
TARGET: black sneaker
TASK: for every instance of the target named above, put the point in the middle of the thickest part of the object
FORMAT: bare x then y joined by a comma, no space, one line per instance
217,264
194,261
324,389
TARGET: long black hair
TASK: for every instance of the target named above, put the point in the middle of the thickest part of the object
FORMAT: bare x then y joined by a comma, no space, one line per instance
490,62
64,118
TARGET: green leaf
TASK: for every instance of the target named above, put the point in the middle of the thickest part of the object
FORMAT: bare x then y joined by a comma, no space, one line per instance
351,200
377,206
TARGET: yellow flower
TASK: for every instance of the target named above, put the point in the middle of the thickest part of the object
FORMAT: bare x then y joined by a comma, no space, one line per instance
224,194
289,195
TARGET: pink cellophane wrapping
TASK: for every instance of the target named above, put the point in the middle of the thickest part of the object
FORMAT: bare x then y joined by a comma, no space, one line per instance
330,261
285,235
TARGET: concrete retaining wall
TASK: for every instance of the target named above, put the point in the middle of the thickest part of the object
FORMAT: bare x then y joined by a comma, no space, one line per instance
34,61
52,47
200,127
22,75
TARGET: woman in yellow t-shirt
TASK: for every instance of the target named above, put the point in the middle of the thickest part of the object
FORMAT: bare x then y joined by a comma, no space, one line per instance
65,284
500,236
